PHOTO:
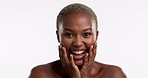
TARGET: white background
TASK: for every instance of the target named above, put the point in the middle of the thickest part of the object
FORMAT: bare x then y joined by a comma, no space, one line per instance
28,38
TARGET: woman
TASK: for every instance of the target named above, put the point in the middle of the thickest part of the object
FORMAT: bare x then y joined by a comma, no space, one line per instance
77,33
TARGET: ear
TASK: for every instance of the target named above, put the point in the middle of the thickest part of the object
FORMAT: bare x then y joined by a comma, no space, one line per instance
97,33
57,33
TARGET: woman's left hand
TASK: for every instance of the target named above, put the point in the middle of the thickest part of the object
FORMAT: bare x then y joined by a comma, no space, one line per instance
88,61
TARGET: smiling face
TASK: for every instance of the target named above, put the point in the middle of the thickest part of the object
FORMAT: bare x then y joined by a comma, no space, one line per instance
77,34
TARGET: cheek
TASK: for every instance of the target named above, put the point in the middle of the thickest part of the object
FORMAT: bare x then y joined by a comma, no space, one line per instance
89,42
65,42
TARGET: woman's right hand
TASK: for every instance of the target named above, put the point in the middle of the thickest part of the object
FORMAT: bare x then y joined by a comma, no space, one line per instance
68,64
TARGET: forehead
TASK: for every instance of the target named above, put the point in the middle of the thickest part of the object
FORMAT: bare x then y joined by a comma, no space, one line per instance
77,20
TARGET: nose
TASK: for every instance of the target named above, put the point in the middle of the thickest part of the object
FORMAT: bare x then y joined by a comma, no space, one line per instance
77,42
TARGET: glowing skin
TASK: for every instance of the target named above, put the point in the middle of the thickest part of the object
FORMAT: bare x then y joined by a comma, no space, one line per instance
94,30
77,33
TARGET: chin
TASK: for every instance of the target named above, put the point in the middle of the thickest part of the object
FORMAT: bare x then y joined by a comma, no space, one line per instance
79,62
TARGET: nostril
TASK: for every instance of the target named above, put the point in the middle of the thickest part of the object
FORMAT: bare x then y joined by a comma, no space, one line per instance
77,43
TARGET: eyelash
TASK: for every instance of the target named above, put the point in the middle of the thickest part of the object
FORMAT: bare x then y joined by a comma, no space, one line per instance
85,35
68,35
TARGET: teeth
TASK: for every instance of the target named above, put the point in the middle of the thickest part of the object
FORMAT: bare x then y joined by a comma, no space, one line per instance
78,52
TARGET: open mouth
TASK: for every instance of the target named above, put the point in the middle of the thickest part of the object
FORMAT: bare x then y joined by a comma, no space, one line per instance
78,55
77,52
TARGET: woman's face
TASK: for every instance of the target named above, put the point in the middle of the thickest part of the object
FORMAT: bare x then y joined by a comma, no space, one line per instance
77,35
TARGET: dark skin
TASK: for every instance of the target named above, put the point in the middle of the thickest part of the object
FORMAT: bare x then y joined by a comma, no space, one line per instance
77,36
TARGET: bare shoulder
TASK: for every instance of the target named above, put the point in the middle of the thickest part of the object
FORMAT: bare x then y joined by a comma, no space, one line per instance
116,72
42,71
111,71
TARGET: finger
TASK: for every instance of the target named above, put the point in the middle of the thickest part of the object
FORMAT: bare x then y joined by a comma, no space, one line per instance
60,52
95,46
64,55
90,53
72,60
94,51
86,59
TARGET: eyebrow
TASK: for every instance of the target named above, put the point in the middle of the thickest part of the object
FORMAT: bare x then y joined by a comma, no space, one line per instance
67,29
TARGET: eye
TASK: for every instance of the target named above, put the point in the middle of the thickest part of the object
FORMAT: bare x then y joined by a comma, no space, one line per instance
86,34
68,35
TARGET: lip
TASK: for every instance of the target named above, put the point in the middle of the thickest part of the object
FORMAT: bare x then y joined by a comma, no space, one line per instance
77,52
77,56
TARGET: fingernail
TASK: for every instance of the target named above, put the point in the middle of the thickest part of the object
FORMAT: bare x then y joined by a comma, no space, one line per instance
92,46
87,54
71,55
62,47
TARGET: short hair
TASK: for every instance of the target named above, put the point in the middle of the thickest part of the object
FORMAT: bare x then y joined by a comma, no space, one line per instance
76,7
